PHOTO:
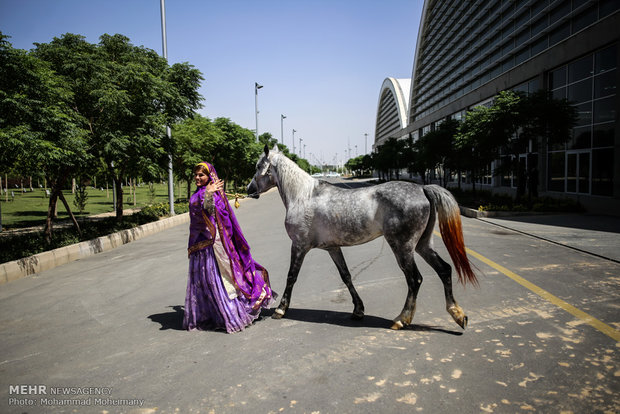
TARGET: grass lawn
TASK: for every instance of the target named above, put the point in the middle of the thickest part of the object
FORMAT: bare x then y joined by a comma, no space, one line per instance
30,208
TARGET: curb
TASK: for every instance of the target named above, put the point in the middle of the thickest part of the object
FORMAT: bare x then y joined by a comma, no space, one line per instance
26,266
472,213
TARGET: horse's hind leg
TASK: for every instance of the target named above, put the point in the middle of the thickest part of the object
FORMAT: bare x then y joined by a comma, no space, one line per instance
404,253
444,271
338,258
297,258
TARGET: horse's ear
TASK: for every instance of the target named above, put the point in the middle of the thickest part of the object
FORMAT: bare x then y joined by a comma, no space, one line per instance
275,148
266,149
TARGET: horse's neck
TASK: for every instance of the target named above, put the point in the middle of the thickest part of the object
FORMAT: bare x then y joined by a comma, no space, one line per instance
294,184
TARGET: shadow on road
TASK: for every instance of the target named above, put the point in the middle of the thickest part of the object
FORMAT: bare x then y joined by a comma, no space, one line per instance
170,320
344,319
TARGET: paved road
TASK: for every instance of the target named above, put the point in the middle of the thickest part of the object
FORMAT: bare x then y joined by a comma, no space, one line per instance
109,328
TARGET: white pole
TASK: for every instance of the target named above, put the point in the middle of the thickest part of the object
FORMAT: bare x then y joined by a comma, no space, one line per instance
162,6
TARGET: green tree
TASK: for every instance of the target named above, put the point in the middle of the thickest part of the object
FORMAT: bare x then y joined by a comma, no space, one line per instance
126,94
39,130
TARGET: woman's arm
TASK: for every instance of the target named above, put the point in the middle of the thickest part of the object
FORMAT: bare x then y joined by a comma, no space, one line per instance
212,187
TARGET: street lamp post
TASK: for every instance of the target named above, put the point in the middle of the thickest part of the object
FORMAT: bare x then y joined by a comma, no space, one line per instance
256,88
282,117
162,7
300,148
365,144
294,141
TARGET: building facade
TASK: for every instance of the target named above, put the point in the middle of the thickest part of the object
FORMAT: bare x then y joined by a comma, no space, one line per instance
469,51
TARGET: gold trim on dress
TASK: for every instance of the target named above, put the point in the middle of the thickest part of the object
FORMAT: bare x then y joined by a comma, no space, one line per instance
199,246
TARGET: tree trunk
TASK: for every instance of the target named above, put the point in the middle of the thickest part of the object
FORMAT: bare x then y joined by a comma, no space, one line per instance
49,222
119,199
64,201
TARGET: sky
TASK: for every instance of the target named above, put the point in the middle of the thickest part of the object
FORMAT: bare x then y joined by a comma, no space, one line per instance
321,62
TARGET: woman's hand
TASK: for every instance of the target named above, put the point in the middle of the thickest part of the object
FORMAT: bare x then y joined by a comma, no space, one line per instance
217,185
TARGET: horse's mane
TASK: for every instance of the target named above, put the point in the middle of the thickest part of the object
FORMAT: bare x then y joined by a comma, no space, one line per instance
295,183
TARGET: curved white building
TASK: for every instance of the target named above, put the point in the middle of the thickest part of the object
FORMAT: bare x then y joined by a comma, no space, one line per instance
392,109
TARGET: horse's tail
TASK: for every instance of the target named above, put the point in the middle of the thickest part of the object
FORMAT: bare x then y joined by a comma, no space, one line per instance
451,230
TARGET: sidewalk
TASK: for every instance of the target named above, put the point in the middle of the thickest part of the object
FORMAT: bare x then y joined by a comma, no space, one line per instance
595,234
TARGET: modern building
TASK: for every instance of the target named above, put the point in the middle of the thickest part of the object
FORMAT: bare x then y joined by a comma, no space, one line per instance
468,51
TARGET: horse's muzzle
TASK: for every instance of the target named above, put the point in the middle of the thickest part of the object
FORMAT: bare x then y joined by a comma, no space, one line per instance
254,195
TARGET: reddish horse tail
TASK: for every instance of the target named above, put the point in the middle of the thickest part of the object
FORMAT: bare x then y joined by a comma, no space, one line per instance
451,231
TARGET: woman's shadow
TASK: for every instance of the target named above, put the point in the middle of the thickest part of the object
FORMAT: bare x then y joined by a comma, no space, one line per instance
170,320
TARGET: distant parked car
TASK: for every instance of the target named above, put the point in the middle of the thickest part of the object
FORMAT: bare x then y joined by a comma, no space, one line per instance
317,175
333,174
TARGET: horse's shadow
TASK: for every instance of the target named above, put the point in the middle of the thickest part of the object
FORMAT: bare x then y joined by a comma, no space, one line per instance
170,320
344,319
174,320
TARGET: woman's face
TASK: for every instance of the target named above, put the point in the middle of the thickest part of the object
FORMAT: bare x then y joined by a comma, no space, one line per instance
201,178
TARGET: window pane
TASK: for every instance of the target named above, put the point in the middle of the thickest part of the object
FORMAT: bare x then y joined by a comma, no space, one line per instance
580,69
580,92
603,172
559,12
559,34
571,173
604,110
605,59
604,135
584,173
606,7
584,19
539,45
584,113
556,171
539,26
522,56
582,138
605,84
559,93
557,78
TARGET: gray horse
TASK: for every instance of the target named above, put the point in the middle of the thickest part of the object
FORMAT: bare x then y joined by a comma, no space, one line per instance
321,215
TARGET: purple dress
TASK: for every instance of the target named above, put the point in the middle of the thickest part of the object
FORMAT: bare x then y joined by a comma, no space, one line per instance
226,288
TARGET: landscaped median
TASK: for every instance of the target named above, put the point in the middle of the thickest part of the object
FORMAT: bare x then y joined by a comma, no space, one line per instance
26,266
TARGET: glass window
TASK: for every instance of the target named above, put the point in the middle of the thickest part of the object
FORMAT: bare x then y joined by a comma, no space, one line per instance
557,78
584,113
580,69
556,171
605,84
584,19
584,173
603,135
522,37
571,173
607,7
522,56
508,64
582,138
603,172
559,93
539,6
539,45
559,11
605,110
559,33
605,60
580,92
534,85
539,25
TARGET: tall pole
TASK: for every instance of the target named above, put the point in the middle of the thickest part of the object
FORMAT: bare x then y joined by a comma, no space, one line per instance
365,144
282,128
162,6
301,155
294,141
256,88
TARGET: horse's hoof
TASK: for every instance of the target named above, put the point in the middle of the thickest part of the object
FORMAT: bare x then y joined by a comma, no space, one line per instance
458,315
278,314
357,316
397,325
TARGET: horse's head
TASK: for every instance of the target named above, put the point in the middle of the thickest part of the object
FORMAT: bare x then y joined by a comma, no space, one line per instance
263,179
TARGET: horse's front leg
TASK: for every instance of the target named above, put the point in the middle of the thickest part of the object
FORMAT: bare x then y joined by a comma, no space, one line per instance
297,257
341,264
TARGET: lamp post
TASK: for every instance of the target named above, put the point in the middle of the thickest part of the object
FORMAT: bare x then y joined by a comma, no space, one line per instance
365,144
282,117
162,7
256,88
300,148
294,141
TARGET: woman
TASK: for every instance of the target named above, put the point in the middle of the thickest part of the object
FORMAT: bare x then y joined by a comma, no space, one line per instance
226,288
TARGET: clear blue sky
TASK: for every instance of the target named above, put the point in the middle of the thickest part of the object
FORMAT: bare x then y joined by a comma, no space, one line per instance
322,62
